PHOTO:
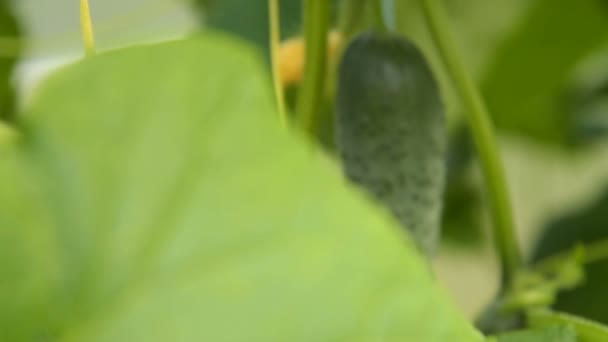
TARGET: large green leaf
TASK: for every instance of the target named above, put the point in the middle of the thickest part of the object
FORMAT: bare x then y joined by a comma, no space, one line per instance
153,197
526,82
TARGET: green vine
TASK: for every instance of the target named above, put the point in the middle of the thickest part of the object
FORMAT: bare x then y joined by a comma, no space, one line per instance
310,97
485,142
275,40
352,14
379,20
86,28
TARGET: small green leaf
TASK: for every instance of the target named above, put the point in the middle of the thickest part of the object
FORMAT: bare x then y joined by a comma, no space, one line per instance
155,197
585,227
533,288
462,223
586,330
554,333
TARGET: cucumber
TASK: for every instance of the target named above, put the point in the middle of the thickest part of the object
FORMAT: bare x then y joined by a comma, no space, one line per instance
391,134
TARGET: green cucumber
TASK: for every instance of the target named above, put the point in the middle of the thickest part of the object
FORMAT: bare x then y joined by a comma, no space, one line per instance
391,132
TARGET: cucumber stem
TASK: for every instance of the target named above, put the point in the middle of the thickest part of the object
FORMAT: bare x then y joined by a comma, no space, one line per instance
310,97
351,15
380,22
485,141
275,40
86,27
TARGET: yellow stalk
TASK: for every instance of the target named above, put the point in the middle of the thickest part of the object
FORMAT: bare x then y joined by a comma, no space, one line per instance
275,40
86,27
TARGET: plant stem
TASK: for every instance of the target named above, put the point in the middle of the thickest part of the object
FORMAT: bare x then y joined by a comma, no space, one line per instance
380,22
352,13
86,27
390,14
275,40
310,97
485,142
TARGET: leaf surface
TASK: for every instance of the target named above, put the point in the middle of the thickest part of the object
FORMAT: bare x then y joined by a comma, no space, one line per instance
153,196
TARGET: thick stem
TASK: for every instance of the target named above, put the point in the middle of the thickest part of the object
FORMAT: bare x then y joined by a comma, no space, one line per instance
275,40
86,28
310,97
485,142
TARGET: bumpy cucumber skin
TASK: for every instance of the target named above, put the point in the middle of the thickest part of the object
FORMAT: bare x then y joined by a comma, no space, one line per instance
391,132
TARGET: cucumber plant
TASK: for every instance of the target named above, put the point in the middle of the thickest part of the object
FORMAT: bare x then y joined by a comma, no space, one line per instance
133,209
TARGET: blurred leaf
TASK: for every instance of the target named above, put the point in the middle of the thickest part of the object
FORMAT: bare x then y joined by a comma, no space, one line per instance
586,331
494,319
478,27
154,197
564,271
586,300
538,287
10,34
589,106
461,218
555,333
462,224
586,226
249,18
531,69
533,288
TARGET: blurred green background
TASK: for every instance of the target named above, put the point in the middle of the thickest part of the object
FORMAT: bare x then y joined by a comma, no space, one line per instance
542,65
